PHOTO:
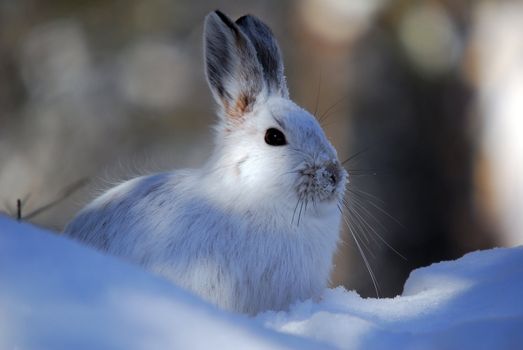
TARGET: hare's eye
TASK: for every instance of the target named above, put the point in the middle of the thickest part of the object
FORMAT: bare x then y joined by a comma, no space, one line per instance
275,137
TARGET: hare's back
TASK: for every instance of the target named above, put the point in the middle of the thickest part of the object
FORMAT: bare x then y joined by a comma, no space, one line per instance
121,219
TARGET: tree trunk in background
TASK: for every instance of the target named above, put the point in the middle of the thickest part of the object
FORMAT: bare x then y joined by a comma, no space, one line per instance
417,129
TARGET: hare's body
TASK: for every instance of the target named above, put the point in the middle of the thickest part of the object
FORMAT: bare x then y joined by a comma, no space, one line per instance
257,226
244,259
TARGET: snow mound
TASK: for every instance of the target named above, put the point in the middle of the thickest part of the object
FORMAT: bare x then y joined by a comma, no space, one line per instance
472,303
57,294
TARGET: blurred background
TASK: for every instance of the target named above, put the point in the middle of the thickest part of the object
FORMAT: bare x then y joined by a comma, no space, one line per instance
425,99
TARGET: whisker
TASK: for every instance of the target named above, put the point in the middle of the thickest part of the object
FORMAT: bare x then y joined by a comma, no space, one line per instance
292,172
354,215
334,105
365,194
358,203
306,204
299,214
362,253
314,205
380,237
359,220
295,208
363,171
383,211
364,233
368,172
318,97
348,245
355,155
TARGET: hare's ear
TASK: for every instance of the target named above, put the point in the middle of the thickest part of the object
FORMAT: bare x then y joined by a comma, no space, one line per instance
268,53
234,74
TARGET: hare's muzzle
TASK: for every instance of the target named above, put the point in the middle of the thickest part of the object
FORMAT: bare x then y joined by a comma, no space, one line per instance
321,182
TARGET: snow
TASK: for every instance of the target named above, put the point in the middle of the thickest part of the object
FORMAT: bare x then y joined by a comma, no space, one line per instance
57,294
474,302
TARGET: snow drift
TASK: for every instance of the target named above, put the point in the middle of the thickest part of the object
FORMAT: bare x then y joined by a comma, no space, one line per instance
57,294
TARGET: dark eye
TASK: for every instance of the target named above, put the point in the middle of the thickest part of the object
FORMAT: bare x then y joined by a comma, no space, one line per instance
275,137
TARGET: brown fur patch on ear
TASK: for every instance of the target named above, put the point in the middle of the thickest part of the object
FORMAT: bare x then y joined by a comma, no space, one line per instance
241,106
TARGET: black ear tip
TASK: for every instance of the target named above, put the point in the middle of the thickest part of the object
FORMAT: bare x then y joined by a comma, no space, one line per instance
248,18
220,14
243,19
240,20
254,23
223,17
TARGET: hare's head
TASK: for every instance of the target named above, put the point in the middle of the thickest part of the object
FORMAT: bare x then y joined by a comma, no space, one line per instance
272,148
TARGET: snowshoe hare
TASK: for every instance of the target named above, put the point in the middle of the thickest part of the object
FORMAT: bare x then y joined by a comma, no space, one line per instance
256,227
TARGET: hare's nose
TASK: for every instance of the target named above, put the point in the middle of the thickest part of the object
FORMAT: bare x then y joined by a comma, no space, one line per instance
332,173
333,179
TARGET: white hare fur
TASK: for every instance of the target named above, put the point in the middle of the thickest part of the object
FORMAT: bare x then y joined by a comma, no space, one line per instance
256,227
